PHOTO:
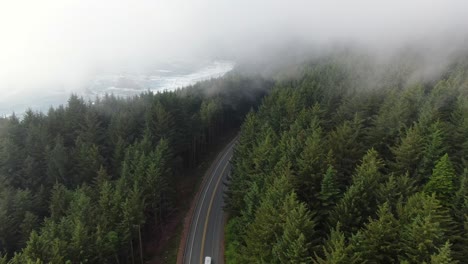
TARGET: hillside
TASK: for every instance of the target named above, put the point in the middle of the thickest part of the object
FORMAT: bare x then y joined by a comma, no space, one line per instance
94,182
349,162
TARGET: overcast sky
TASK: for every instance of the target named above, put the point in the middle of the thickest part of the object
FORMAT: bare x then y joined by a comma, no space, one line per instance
63,42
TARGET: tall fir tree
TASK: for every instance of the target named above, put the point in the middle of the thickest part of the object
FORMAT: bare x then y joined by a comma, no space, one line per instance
360,200
442,180
296,243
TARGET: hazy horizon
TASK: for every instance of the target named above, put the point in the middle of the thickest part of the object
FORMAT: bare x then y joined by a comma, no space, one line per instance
121,83
61,45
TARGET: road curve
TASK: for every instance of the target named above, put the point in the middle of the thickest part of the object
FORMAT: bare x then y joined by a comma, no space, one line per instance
206,231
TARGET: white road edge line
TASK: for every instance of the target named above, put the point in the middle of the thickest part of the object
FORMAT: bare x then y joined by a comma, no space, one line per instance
203,199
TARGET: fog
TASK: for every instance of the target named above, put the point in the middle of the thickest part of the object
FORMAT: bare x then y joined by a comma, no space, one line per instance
55,45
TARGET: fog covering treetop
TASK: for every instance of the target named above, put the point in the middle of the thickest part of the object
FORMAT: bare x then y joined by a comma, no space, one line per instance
345,162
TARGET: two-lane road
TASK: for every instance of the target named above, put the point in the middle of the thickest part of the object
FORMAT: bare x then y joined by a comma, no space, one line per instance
206,233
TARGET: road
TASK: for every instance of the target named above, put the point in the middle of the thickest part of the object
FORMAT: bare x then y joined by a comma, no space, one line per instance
206,232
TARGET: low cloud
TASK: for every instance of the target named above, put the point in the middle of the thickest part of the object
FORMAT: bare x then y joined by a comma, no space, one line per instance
60,44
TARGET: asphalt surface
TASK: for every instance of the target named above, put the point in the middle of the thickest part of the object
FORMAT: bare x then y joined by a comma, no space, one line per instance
206,232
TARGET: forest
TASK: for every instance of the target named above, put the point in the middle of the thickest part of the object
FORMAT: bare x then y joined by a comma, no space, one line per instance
345,162
90,181
339,160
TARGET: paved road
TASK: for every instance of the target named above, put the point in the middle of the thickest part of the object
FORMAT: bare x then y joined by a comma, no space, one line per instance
207,226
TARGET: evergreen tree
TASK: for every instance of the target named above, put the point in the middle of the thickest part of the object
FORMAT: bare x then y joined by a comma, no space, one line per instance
57,163
426,226
396,190
359,200
443,257
346,144
379,241
311,168
441,181
295,244
336,250
329,195
87,161
261,234
408,153
241,163
434,149
329,191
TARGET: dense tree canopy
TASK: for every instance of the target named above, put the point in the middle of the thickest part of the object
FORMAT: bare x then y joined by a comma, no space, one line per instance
341,162
82,182
379,163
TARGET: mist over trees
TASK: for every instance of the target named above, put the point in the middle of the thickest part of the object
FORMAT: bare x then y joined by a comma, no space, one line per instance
349,162
347,159
81,183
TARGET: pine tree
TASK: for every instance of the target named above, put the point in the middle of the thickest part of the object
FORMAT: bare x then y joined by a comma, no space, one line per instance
295,244
329,195
3,259
459,208
91,130
444,256
458,127
161,123
426,225
329,191
311,168
118,157
238,178
262,232
260,168
346,143
359,201
59,202
408,153
434,149
101,177
57,163
421,238
29,223
441,181
87,162
379,241
335,250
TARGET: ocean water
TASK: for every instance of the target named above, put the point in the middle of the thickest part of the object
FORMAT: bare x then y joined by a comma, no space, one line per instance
169,78
123,83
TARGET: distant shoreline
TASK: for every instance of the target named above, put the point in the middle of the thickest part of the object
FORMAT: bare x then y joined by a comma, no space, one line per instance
121,85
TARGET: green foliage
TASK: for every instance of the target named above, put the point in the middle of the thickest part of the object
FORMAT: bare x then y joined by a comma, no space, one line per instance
444,256
295,243
396,189
409,152
57,162
442,180
434,149
343,162
379,241
335,250
398,203
261,234
311,167
330,191
360,200
345,142
78,184
426,226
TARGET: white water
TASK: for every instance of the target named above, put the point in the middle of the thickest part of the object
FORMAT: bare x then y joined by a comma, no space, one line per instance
125,84
122,84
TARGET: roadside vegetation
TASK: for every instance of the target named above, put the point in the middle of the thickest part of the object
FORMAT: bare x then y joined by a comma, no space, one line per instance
93,182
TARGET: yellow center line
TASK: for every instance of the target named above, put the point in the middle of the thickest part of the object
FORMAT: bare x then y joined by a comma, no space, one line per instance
208,213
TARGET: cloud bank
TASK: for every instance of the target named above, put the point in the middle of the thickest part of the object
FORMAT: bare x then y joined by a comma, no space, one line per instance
59,44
